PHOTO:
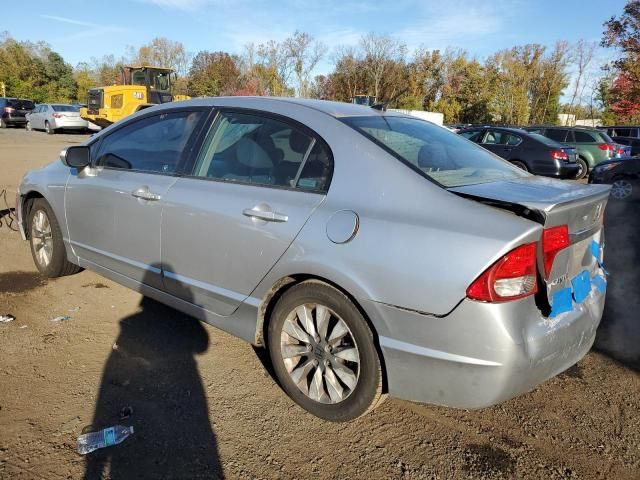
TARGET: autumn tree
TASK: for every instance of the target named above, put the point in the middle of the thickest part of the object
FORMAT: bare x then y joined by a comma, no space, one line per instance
623,34
213,74
380,52
304,53
33,70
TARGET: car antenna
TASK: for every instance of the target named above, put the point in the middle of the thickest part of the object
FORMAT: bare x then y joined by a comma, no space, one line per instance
382,106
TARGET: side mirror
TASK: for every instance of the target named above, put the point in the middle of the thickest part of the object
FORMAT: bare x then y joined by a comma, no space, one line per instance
77,156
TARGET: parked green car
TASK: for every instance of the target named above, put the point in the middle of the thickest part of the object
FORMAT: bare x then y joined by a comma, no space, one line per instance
593,146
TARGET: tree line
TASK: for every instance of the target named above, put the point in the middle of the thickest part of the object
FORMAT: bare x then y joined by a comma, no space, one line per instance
520,85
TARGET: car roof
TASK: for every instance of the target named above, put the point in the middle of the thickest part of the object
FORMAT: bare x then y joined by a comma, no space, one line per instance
517,130
335,109
566,127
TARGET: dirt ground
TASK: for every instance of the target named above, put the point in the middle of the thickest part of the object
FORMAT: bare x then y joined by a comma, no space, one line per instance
204,407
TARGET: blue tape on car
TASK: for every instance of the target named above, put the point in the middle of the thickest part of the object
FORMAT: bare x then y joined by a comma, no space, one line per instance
581,284
600,283
595,249
561,301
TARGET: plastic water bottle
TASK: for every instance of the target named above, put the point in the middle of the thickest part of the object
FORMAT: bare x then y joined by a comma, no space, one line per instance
89,442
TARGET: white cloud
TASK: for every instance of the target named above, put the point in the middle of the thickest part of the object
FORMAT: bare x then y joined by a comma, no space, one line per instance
91,30
69,20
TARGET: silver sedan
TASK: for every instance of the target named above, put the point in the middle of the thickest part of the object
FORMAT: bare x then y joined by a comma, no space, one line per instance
55,117
371,253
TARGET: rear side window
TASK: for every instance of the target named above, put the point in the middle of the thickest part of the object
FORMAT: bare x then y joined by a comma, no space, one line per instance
154,144
498,137
260,150
557,134
584,137
433,151
623,132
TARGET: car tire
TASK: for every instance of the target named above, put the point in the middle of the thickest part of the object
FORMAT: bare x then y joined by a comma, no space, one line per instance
45,239
621,188
48,129
583,168
337,375
520,165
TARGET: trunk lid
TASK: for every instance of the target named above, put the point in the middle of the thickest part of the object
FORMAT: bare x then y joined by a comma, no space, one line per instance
552,203
572,153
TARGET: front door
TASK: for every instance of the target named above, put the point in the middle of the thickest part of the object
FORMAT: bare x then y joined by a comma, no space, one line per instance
114,209
255,183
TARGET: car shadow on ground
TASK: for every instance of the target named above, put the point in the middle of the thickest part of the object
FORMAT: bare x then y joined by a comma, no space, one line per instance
152,370
619,332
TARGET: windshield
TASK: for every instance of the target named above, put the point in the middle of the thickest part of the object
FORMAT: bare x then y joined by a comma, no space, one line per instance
65,108
21,104
546,140
159,80
436,153
605,138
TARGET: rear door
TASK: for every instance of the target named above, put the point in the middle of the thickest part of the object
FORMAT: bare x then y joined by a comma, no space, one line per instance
255,182
114,209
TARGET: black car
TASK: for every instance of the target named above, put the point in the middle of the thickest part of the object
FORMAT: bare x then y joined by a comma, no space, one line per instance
625,135
13,111
529,151
623,174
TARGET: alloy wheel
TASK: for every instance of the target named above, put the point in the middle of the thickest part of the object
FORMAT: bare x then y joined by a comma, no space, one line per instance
621,189
42,238
320,353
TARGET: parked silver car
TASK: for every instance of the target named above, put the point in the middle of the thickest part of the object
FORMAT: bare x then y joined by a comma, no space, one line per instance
370,252
54,117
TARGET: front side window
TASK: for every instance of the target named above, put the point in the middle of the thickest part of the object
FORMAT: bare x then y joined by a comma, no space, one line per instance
436,153
154,144
255,149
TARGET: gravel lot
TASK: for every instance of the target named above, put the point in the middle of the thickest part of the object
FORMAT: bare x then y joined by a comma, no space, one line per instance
204,406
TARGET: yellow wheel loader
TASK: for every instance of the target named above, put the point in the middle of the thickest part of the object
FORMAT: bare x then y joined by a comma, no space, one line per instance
141,87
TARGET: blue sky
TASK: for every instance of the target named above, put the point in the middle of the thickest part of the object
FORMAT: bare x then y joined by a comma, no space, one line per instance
81,29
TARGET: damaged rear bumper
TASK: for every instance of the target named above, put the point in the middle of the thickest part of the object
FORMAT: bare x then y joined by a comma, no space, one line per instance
481,354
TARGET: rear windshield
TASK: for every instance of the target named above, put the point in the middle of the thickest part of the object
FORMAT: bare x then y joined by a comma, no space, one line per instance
21,104
546,140
65,108
604,137
433,151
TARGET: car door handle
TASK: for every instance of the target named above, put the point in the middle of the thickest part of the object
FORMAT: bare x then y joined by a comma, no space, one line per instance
266,215
145,194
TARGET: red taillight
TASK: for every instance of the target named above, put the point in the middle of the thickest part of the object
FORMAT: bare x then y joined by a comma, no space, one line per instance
607,147
57,115
559,155
510,278
554,239
8,109
621,151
